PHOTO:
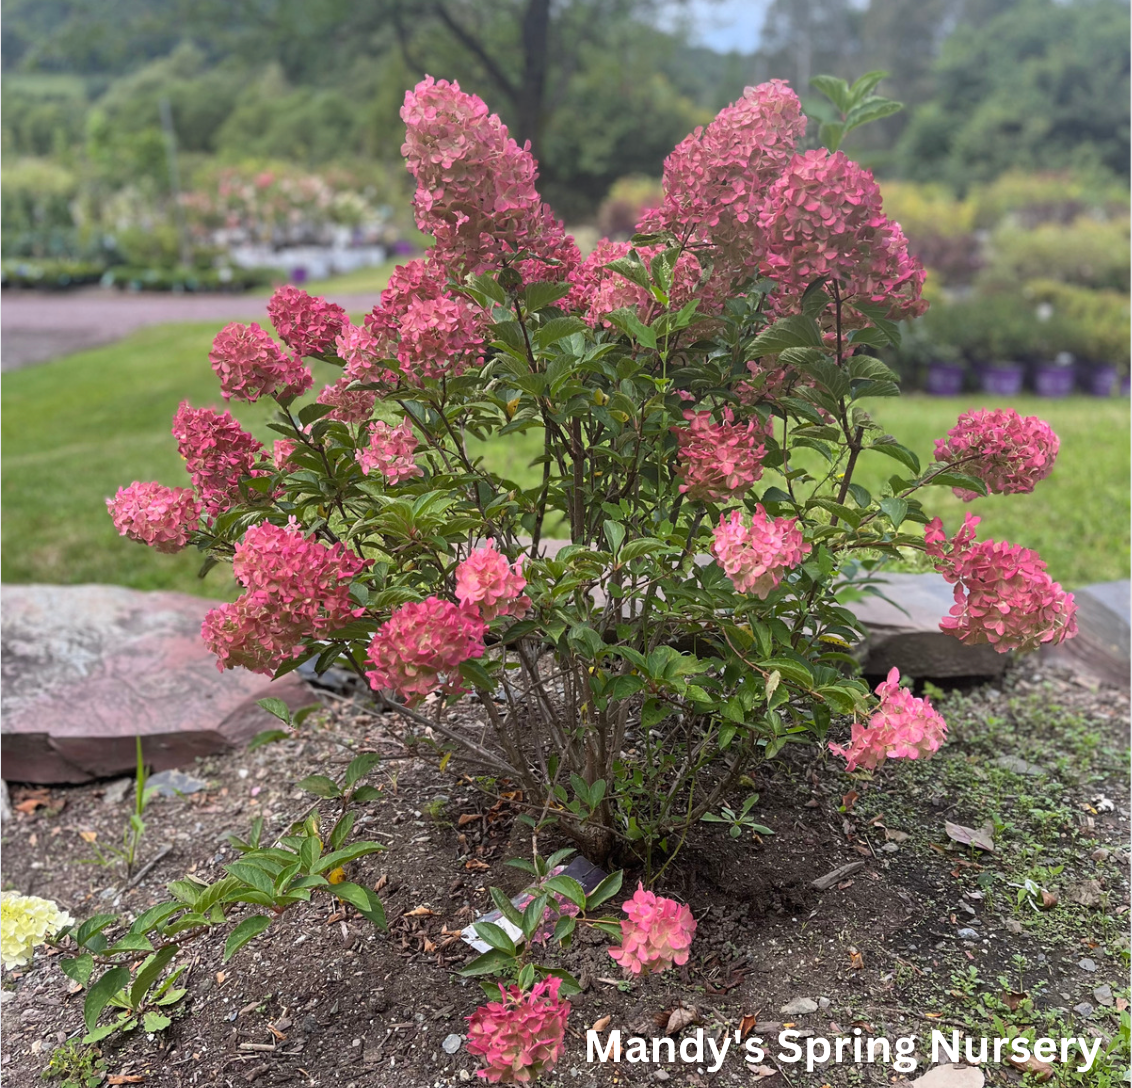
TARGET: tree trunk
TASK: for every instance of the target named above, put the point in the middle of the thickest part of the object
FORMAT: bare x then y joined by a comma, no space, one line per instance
531,101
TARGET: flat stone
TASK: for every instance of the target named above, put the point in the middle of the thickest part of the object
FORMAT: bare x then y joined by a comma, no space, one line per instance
1087,965
452,1043
1019,766
173,783
115,792
1101,650
1084,1009
800,1006
910,640
88,668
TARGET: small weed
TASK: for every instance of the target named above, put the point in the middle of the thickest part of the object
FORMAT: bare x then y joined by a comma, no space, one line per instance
78,1066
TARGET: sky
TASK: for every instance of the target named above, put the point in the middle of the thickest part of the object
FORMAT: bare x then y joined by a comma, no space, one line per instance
726,25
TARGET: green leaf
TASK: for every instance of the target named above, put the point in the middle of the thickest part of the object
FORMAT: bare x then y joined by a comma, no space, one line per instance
363,900
131,942
79,968
507,908
149,972
320,786
244,932
496,936
472,671
309,851
360,766
537,296
796,331
632,269
346,855
891,448
873,108
341,830
896,509
276,708
961,480
367,793
490,963
607,889
252,875
100,993
836,90
155,1021
268,736
95,924
567,886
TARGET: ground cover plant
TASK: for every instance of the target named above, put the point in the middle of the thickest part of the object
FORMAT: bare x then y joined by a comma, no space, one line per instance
689,633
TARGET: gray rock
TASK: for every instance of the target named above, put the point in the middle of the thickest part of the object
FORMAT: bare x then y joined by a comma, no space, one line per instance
5,802
173,783
452,1043
968,934
1019,766
1103,995
1087,965
1084,1009
905,633
799,1006
824,1003
1101,649
87,669
115,792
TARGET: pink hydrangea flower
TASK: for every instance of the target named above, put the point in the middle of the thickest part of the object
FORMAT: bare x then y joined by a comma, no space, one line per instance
718,461
1008,453
296,589
476,187
432,332
390,452
522,1035
251,365
823,217
217,453
485,578
903,727
308,325
657,934
756,557
162,517
1003,594
281,452
350,405
420,648
362,352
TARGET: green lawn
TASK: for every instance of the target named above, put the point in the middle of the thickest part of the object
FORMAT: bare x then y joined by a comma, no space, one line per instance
76,429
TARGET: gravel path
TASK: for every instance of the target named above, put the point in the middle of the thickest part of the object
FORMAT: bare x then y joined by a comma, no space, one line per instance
36,327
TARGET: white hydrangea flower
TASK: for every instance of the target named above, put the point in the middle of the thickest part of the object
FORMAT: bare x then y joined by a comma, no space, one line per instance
25,921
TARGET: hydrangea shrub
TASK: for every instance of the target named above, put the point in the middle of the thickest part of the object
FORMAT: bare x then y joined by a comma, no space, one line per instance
700,399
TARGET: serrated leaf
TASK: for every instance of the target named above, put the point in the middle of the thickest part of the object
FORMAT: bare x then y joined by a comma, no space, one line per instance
496,936
895,509
320,786
360,766
99,994
244,932
155,1021
276,708
608,888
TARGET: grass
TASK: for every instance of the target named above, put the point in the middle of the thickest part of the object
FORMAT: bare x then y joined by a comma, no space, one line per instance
76,429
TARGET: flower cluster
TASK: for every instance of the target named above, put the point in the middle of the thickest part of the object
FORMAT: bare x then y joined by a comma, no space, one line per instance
486,579
1008,453
521,1036
903,727
822,217
421,647
218,453
251,365
657,934
295,589
476,186
25,921
281,452
718,461
757,556
390,452
361,351
1003,594
308,325
162,517
431,332
349,405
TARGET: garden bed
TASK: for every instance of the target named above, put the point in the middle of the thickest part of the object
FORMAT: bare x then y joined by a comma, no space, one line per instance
324,999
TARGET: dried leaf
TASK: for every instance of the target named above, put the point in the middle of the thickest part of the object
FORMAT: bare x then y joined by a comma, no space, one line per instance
849,800
1040,1071
419,912
88,836
1049,900
856,960
761,1072
951,1076
124,1078
220,977
747,1025
476,866
1087,894
893,835
980,839
467,818
1012,999
381,882
602,1024
429,946
680,1018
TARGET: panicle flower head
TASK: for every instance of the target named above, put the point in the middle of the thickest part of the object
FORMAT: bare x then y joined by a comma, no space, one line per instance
756,557
362,353
350,405
487,579
250,364
657,934
295,589
26,921
476,187
718,461
903,727
520,1036
217,453
307,324
390,452
162,517
1008,453
420,648
281,452
1003,594
823,217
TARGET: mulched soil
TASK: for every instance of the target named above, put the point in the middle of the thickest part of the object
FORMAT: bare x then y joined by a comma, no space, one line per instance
325,999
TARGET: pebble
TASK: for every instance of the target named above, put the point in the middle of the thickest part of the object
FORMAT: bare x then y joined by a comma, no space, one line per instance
1013,925
115,792
173,783
1103,995
824,1003
1087,965
889,848
1100,855
662,1075
1019,766
452,1043
969,934
1084,1009
800,1006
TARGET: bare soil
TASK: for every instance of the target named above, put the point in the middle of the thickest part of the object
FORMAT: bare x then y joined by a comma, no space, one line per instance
924,935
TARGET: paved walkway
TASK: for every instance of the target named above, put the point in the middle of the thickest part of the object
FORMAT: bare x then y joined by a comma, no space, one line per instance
38,326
